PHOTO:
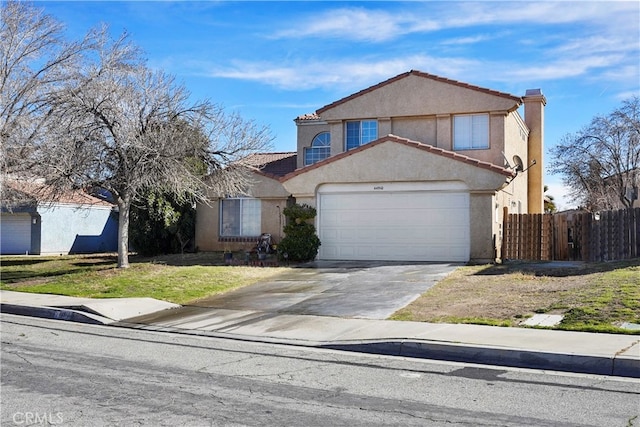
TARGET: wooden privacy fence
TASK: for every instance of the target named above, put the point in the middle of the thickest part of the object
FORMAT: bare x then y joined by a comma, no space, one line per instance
576,236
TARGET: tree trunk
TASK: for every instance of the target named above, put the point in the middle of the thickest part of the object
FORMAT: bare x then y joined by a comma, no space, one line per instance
124,206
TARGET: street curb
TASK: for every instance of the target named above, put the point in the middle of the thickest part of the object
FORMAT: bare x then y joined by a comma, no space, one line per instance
449,352
419,349
499,356
54,313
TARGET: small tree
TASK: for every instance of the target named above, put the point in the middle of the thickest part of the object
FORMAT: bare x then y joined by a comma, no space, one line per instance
300,242
549,202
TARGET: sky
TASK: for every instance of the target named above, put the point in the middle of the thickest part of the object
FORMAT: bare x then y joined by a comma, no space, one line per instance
274,61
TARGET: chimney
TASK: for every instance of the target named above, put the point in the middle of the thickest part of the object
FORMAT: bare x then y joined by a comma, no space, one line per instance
534,102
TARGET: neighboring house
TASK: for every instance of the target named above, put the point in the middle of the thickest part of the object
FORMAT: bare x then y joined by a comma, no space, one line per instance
74,223
416,168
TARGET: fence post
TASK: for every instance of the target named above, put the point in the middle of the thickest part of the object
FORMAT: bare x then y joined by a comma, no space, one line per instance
505,234
547,235
595,244
587,237
634,232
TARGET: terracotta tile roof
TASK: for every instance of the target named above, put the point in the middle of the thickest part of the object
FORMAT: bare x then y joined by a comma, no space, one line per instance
273,164
516,99
42,193
309,117
425,147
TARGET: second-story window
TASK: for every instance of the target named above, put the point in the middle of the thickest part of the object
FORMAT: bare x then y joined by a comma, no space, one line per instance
360,132
319,150
471,132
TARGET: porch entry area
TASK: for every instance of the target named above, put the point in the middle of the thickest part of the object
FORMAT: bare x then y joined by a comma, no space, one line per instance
419,221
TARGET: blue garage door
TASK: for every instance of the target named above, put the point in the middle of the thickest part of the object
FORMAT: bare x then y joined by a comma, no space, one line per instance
15,234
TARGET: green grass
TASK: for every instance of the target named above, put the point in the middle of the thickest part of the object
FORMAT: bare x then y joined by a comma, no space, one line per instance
614,298
593,297
597,297
98,277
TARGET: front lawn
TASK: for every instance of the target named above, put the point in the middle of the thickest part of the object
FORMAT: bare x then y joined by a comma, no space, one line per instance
596,297
176,278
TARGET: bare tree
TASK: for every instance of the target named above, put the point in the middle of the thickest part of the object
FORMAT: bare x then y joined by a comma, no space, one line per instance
601,163
35,63
125,128
130,129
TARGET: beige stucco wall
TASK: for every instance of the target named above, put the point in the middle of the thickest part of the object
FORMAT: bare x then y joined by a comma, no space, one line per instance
402,163
483,232
514,196
307,130
395,162
420,109
422,129
534,117
417,96
516,135
504,135
273,198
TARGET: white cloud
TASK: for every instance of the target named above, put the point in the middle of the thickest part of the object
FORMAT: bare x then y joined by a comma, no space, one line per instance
604,45
561,69
357,74
626,95
340,73
597,43
379,25
540,12
357,24
469,40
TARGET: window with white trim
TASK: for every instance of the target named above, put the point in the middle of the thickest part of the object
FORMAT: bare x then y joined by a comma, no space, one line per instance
320,149
240,217
471,132
360,132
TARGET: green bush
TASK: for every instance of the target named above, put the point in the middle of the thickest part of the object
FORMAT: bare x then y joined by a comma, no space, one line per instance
161,223
300,242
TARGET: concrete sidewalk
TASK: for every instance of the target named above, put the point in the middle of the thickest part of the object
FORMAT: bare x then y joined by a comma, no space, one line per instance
604,354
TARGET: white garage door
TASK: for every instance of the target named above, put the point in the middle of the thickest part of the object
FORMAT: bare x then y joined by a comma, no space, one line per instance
393,222
15,234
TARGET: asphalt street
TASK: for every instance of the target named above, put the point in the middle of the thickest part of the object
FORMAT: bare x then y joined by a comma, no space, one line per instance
74,374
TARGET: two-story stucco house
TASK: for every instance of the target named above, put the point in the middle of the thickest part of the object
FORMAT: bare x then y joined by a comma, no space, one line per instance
416,168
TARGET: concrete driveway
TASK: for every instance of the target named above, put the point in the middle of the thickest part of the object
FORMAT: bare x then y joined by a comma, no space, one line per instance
350,289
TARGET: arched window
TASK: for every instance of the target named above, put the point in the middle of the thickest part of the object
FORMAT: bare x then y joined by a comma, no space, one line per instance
320,149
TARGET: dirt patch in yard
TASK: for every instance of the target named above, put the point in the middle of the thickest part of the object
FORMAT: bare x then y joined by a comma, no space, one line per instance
509,293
